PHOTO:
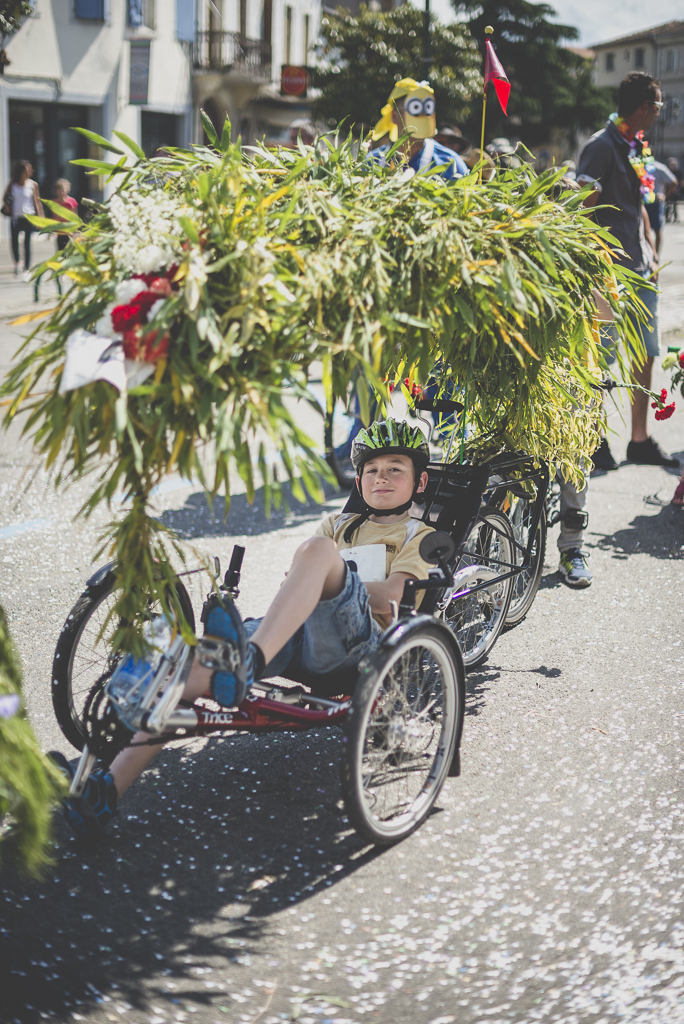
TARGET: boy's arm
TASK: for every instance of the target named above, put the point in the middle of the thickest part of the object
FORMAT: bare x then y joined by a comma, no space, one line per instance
391,590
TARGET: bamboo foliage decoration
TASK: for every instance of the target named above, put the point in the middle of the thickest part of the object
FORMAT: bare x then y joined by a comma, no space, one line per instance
267,261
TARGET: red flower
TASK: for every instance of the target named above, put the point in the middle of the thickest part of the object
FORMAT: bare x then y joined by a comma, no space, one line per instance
161,286
664,414
155,347
131,313
131,342
681,359
663,395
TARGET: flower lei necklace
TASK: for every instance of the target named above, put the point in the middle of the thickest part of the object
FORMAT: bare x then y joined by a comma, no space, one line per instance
643,163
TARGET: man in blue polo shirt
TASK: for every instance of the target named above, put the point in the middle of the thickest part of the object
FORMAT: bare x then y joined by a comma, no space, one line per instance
411,107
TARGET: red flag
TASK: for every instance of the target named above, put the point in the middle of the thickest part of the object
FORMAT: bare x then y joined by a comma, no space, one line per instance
495,73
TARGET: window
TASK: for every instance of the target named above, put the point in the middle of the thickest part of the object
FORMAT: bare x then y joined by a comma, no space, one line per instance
610,62
141,12
288,35
670,60
626,54
89,10
185,20
157,131
639,57
307,29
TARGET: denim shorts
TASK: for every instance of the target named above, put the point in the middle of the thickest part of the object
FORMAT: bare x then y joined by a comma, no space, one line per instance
650,332
335,637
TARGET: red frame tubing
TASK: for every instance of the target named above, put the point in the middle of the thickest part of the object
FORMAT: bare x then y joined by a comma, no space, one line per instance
260,714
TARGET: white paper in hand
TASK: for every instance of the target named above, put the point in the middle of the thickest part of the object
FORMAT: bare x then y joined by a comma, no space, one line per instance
371,561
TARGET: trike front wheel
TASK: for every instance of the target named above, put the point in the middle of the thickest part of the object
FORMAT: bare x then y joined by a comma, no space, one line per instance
403,731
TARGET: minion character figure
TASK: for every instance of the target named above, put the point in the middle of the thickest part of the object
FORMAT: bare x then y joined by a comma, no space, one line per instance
411,108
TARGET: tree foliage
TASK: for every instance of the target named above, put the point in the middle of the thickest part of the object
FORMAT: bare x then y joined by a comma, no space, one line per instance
29,784
551,86
12,13
361,56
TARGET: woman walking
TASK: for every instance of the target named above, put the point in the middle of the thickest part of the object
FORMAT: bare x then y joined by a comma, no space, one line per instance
23,196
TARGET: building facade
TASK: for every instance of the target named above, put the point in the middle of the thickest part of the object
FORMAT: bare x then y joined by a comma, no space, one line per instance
100,65
660,52
146,67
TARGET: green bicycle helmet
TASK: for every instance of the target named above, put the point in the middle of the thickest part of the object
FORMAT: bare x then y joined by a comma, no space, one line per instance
386,436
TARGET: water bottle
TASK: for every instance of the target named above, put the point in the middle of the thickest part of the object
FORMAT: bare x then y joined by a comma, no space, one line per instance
131,673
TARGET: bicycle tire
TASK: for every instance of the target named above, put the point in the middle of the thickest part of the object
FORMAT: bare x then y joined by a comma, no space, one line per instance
80,660
526,584
403,731
477,619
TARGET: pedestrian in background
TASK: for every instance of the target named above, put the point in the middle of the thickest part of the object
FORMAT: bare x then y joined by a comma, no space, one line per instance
62,190
671,204
23,196
666,186
616,161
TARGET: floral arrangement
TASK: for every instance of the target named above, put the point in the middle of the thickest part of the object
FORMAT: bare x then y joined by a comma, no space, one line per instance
642,160
663,411
207,286
674,360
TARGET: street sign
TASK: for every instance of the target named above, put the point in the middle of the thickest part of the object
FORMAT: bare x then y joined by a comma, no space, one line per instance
294,80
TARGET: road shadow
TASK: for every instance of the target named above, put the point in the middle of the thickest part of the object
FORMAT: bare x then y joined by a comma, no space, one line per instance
660,536
207,847
198,519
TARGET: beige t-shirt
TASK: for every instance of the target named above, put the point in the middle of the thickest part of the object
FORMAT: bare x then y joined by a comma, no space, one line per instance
401,554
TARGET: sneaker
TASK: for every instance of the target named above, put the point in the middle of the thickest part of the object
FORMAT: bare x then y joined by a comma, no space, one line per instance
603,457
574,569
223,621
90,813
649,453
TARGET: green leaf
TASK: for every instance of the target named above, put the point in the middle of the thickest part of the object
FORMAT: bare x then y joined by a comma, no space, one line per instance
225,136
189,228
63,211
102,142
132,145
209,129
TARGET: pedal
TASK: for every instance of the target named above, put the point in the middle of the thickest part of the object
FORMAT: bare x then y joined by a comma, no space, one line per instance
218,655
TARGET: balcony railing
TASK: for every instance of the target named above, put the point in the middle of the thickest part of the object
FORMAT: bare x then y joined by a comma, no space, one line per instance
225,51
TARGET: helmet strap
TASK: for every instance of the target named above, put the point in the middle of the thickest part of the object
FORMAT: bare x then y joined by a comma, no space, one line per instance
370,511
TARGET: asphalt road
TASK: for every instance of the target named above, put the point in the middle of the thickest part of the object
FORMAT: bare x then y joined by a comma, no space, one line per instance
547,886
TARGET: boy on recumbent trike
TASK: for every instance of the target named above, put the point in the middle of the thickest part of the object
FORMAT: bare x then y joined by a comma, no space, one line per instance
324,618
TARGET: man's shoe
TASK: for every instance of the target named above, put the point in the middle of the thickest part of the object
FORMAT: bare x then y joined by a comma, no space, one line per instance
574,569
603,457
90,813
649,453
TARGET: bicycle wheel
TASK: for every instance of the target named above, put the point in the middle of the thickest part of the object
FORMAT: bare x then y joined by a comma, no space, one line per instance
524,586
477,619
81,659
403,731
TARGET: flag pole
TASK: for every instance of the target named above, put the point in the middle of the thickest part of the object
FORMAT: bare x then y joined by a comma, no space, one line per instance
488,32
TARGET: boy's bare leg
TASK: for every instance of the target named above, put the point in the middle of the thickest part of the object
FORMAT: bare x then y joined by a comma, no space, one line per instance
317,574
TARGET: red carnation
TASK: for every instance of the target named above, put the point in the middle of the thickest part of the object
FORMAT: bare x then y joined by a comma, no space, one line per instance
664,414
155,347
125,317
131,342
681,359
663,395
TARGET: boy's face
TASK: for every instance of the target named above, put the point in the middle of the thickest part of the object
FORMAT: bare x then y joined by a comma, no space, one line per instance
387,481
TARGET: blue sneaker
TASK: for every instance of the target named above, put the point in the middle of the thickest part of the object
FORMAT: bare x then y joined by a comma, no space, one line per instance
90,813
222,620
574,569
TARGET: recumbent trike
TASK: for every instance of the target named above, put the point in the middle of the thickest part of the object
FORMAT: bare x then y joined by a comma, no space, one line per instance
401,711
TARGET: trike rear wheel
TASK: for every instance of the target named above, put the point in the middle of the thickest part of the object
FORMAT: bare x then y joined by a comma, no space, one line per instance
476,619
403,732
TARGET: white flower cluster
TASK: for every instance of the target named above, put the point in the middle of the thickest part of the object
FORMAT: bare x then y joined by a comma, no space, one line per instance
148,235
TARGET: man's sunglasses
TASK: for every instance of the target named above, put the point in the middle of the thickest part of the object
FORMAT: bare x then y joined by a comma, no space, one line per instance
657,103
